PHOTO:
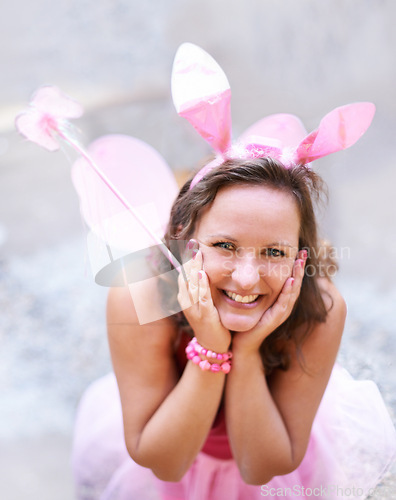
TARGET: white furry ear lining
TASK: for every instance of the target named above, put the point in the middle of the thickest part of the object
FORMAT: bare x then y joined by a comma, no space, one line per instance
201,94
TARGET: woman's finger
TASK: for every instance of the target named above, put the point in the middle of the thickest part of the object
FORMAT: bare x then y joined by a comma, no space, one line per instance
298,274
281,309
193,282
183,295
283,301
189,290
188,258
205,297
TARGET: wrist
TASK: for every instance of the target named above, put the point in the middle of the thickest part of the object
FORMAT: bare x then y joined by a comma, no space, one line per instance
211,342
247,352
207,359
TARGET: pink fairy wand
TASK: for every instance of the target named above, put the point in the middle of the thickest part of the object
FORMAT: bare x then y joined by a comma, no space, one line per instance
46,120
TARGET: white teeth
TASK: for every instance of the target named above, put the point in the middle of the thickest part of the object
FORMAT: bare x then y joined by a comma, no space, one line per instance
238,298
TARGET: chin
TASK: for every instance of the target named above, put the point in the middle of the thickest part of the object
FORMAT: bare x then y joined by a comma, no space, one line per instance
241,324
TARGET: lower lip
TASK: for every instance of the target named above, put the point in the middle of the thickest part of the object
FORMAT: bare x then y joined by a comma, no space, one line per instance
241,305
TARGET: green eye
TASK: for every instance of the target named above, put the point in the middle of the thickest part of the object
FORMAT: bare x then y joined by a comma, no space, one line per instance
274,252
225,245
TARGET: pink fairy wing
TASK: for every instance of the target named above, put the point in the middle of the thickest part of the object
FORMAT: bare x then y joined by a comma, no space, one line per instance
51,100
37,128
201,94
143,178
137,170
338,130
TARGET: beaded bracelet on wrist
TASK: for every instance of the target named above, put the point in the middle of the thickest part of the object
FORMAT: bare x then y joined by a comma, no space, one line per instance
194,351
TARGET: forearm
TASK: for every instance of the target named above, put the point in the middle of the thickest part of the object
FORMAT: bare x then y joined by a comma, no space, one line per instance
258,437
176,432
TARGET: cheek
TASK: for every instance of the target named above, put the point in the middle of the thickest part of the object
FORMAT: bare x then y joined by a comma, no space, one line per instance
279,271
215,265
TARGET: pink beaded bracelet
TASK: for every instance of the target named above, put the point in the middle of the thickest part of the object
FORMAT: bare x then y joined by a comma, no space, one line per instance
193,351
208,353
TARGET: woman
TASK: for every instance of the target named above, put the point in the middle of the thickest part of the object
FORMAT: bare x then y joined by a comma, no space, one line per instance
234,393
251,229
236,396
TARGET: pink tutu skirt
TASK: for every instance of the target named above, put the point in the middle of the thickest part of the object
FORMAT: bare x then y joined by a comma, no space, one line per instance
352,444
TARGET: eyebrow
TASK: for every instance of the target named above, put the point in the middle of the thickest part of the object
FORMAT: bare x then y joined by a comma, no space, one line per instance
230,238
280,243
223,237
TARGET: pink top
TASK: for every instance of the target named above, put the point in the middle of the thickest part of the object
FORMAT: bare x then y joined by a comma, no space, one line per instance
216,444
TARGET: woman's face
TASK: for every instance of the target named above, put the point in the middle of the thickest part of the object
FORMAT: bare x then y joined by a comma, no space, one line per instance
249,241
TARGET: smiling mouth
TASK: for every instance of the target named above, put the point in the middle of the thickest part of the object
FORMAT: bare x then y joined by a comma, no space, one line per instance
246,299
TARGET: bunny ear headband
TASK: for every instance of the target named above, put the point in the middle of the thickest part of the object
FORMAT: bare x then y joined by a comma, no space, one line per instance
126,188
202,95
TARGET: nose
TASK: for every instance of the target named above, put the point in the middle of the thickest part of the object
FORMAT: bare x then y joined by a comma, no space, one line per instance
246,273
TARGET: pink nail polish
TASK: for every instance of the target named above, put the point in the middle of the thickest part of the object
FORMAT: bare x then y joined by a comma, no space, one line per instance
200,275
190,244
304,254
291,281
194,254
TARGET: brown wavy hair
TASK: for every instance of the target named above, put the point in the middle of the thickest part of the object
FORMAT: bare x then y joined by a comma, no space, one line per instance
309,190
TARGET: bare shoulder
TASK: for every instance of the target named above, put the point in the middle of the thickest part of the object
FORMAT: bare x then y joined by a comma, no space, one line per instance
334,301
120,307
321,346
122,316
139,352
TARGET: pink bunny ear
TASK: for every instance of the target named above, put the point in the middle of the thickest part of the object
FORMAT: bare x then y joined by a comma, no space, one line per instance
286,128
338,130
201,94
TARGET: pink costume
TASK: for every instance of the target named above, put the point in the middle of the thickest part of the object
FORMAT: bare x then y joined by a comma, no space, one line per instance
352,442
351,445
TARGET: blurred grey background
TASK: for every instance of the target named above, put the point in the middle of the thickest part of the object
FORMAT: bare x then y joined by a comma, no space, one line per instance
115,57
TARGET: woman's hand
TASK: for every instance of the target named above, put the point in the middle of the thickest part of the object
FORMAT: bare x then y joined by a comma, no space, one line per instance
196,301
275,315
